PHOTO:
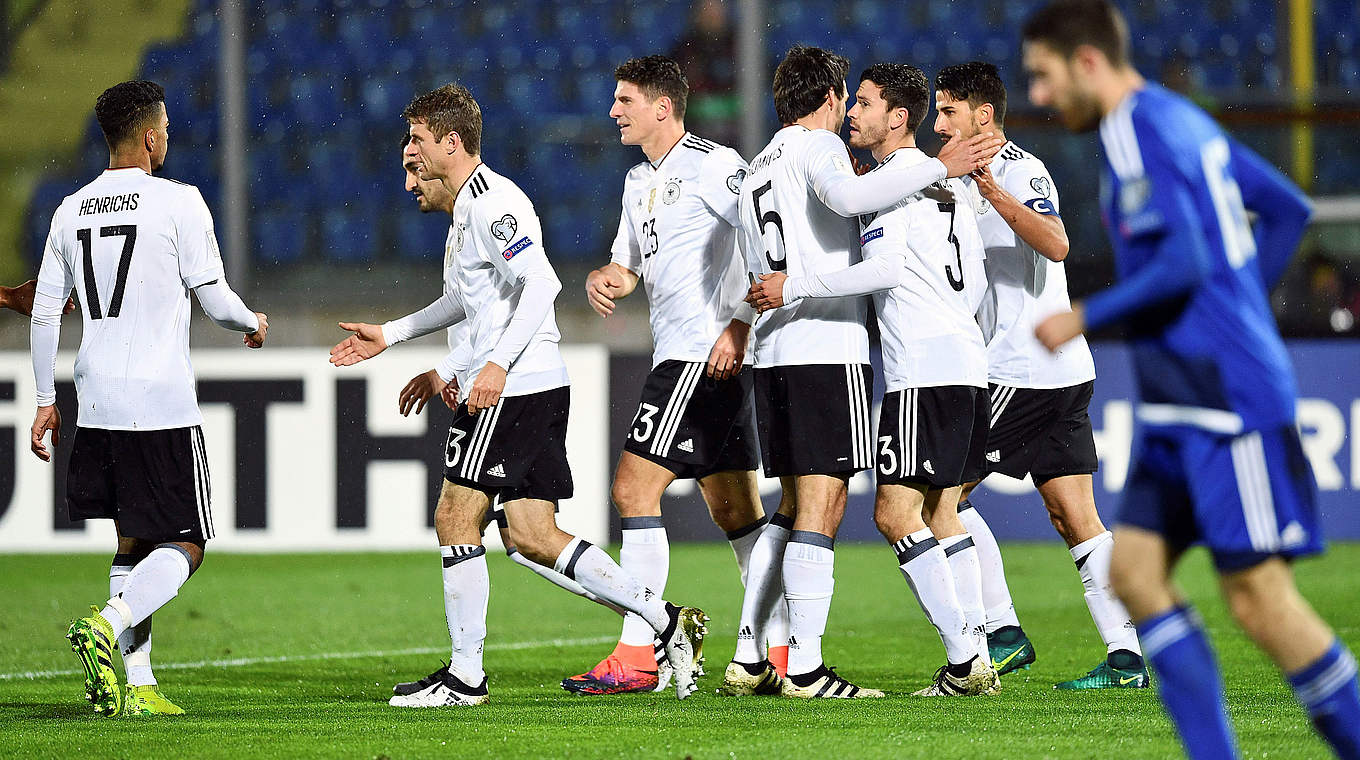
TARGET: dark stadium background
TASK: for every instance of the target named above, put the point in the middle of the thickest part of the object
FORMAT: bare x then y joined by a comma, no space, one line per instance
285,114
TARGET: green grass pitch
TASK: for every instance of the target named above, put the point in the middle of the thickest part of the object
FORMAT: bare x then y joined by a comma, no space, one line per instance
295,655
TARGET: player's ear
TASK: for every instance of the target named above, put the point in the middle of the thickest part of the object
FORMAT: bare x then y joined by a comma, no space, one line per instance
899,118
451,141
985,113
663,107
149,140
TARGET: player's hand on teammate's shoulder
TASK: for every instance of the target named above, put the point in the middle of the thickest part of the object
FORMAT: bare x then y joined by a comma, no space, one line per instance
420,390
767,292
860,167
962,157
601,285
486,389
366,342
256,339
729,350
47,418
1059,328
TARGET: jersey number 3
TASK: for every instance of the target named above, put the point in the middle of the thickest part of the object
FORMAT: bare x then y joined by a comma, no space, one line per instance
128,232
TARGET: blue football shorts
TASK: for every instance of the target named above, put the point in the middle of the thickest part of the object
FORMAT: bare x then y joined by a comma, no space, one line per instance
1246,497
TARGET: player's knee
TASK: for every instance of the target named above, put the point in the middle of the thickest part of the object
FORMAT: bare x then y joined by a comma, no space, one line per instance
1254,596
887,524
533,542
631,501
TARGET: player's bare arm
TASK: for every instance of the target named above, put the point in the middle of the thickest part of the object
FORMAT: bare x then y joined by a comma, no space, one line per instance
366,342
1044,233
729,350
487,388
47,418
421,389
1061,327
607,284
767,292
20,299
961,157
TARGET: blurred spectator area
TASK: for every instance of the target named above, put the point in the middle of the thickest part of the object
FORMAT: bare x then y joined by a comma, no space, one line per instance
327,80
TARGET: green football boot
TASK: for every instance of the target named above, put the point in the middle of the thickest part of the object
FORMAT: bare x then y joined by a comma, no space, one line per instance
1121,670
148,700
93,642
1010,649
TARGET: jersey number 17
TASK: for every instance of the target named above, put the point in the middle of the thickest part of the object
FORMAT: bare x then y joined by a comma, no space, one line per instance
129,234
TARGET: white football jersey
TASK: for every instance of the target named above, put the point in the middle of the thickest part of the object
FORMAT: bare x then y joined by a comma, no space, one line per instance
497,239
1024,287
678,233
453,242
133,246
926,324
787,228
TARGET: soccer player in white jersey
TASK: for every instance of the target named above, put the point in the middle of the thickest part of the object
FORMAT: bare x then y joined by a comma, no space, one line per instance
1039,421
508,437
812,380
923,263
133,246
677,234
430,196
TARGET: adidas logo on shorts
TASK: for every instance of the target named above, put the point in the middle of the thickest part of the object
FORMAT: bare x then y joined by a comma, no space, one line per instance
686,446
927,467
497,471
994,456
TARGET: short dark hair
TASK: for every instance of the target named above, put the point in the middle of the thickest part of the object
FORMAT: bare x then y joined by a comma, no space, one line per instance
657,75
1065,25
450,108
802,79
902,86
127,108
977,82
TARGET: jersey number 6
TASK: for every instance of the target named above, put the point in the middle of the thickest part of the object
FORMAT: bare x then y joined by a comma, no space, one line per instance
768,218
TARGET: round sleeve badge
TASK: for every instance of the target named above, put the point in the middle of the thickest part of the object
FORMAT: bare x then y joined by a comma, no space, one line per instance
1041,186
504,229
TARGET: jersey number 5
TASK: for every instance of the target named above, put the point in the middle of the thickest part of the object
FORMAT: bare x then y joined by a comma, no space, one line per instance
1238,243
767,218
129,234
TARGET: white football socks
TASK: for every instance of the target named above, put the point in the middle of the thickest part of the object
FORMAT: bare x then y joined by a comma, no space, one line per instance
996,595
135,643
809,580
928,574
646,555
152,583
1112,620
588,565
963,562
467,588
764,614
561,580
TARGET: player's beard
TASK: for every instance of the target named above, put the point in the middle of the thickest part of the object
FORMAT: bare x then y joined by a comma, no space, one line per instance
1081,112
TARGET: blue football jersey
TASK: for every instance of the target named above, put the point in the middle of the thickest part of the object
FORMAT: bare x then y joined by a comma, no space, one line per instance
1194,269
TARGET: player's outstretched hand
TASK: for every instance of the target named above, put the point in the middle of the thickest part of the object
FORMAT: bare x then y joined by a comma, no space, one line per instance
256,339
486,389
20,298
729,350
366,343
767,293
421,389
601,285
47,418
962,157
1061,327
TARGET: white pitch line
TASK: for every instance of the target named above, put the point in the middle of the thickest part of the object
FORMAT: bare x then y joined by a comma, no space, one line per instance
239,662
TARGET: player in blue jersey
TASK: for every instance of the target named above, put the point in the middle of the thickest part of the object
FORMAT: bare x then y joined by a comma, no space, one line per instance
1218,459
